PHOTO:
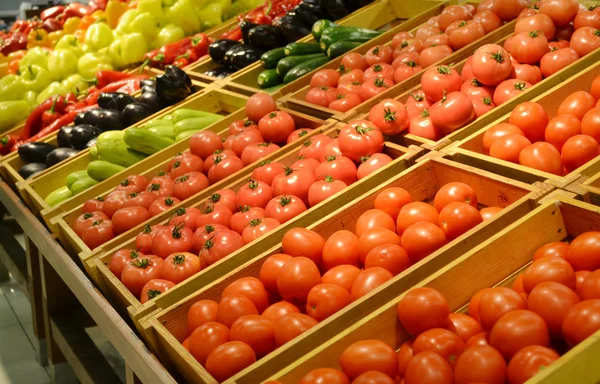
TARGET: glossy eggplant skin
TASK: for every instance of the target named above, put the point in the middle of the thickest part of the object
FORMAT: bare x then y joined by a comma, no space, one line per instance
105,119
148,82
35,152
219,73
81,134
309,14
59,154
229,54
246,26
218,49
291,28
242,58
336,8
265,37
174,85
152,100
64,135
115,100
30,169
135,112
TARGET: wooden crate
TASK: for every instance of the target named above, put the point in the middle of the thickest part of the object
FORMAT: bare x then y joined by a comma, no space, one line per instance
115,291
11,163
495,262
470,149
169,327
392,16
150,167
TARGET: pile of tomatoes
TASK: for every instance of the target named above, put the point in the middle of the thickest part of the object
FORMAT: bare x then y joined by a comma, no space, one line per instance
508,336
362,77
209,160
315,278
561,144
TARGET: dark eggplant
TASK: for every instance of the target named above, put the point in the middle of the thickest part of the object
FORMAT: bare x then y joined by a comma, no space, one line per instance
246,26
30,169
105,119
265,37
59,154
229,54
137,112
336,8
115,100
292,29
81,134
92,142
173,86
217,49
147,89
63,136
309,14
151,99
35,152
79,118
242,58
147,82
219,73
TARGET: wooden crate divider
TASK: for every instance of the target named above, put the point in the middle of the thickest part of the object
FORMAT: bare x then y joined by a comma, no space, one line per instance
150,168
115,291
390,15
169,327
495,262
469,149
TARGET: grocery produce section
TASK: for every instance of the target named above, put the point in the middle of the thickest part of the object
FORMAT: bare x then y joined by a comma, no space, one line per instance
307,191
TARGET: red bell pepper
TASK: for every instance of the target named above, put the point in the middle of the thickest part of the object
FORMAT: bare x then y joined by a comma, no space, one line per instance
49,116
34,122
95,5
167,54
77,10
200,44
6,143
14,42
103,78
52,12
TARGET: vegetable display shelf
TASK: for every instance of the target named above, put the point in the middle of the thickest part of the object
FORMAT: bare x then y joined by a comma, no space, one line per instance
587,188
10,164
470,150
169,327
384,14
150,167
118,293
33,191
495,262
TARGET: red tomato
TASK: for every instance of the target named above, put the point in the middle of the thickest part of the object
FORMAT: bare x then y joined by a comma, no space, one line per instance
189,184
458,218
453,13
341,248
256,331
171,240
345,102
581,321
114,201
354,60
499,130
518,329
325,300
314,148
225,197
440,341
214,214
404,70
369,355
351,76
270,271
280,309
224,168
509,89
238,126
129,217
430,367
378,70
284,208
379,54
255,152
491,64
401,37
414,212
325,78
562,12
590,288
221,245
423,33
254,194
389,116
341,275
374,218
584,252
86,220
276,126
488,20
496,302
347,88
228,359
267,170
560,129
339,168
416,103
595,88
220,154
411,45
465,33
509,147
531,118
204,143
554,61
144,239
323,189
177,267
322,96
538,22
141,199
390,257
294,182
133,184
474,89
421,239
375,237
250,287
489,212
528,362
251,135
549,269
452,112
303,242
466,72
480,363
403,57
374,86
531,74
203,234
372,163
139,272
463,326
552,301
93,205
440,80
578,150
391,200
259,105
292,325
590,124
296,278
121,258
186,216
557,249
542,156
576,104
162,204
435,40
206,338
298,133
529,47
360,138
200,313
422,309
585,40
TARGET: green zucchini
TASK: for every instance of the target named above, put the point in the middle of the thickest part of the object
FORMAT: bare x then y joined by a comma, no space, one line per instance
195,124
94,152
185,134
298,49
163,130
304,68
58,195
351,34
270,58
82,184
100,170
320,26
290,62
74,176
185,114
112,148
340,47
145,141
268,78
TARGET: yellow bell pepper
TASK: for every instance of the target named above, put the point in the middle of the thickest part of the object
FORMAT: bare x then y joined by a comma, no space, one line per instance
4,59
53,37
37,38
99,14
114,11
71,25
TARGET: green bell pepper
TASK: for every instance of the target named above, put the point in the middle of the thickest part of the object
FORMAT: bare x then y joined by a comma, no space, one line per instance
13,112
211,15
34,56
153,7
11,88
55,88
62,63
31,98
170,33
36,78
71,43
125,21
90,63
145,24
98,36
182,14
75,83
127,50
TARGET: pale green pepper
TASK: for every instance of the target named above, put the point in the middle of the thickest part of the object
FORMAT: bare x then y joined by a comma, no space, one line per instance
126,19
145,24
55,88
62,63
75,83
98,36
170,33
182,14
11,88
127,50
211,15
90,63
153,7
13,112
31,98
71,43
36,78
34,56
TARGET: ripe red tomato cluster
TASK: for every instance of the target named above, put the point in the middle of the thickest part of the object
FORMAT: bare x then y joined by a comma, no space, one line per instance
209,161
314,278
561,144
361,77
508,336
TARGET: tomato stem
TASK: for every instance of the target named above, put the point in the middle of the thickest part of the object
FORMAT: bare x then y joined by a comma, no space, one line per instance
255,222
143,263
178,259
215,197
389,115
285,200
152,293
